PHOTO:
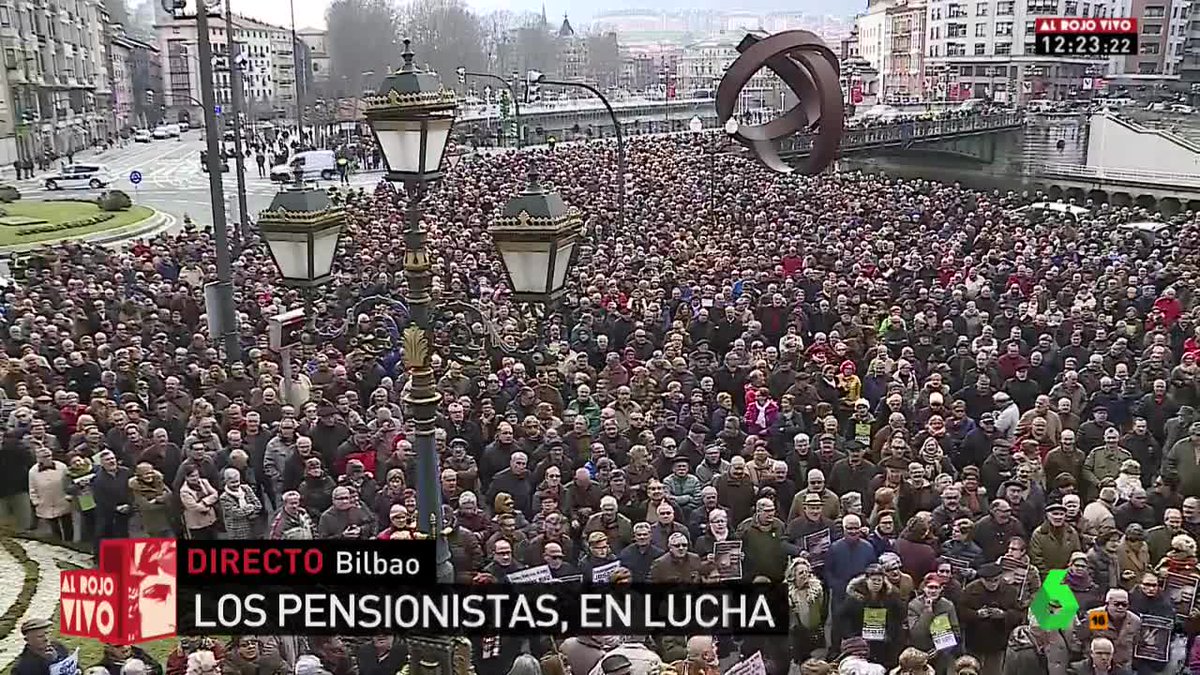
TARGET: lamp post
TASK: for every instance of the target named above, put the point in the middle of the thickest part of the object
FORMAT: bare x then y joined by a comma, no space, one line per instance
536,78
411,116
536,235
463,73
301,228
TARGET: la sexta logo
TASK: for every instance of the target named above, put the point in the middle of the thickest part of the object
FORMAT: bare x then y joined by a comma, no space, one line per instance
128,599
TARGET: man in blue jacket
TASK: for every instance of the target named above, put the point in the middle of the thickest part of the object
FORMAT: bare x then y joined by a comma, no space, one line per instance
847,558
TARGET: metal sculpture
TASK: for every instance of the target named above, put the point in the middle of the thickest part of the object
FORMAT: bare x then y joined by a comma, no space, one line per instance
810,69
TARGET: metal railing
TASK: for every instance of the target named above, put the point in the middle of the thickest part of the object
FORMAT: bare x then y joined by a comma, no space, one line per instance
1159,179
910,131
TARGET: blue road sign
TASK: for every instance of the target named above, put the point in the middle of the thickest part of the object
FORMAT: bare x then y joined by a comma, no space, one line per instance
135,177
217,109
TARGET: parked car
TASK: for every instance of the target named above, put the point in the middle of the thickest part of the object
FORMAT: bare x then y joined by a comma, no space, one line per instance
93,176
142,136
174,130
161,132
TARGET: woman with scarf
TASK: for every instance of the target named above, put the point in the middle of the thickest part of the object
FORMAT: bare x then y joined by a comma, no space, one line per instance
1079,580
151,500
400,525
806,598
761,412
716,533
849,385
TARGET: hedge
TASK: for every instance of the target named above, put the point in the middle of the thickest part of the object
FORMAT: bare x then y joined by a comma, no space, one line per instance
9,193
62,227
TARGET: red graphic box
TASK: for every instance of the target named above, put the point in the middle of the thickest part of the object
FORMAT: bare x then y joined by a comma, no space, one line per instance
128,600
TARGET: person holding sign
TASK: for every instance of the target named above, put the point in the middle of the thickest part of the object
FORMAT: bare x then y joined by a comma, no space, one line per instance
42,654
933,623
1122,630
873,612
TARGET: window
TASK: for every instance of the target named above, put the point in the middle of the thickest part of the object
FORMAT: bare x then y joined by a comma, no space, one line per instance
980,49
1003,48
1149,48
956,49
1004,8
1154,12
981,9
1004,28
1072,8
5,16
1151,29
955,30
1148,68
981,30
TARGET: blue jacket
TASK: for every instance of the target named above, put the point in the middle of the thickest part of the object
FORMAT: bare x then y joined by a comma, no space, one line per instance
846,559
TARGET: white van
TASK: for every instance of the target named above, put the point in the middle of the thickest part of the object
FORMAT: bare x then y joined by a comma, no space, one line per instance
317,164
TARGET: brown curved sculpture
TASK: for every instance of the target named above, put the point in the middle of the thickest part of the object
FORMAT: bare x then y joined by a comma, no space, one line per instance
810,69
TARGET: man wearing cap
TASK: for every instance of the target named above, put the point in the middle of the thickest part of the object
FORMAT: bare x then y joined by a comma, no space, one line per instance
1182,460
678,565
40,650
831,506
1053,542
854,473
1104,462
990,609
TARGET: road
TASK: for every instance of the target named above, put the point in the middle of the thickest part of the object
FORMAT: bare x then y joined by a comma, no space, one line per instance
172,180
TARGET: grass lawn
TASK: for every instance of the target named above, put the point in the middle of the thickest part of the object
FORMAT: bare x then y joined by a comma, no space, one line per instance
58,212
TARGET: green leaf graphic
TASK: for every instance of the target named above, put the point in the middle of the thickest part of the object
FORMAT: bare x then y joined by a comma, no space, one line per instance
1055,605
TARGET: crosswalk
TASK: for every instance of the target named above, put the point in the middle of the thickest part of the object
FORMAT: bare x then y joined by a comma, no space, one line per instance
170,170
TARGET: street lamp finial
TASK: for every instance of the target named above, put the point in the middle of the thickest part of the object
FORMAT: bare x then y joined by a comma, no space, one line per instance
407,56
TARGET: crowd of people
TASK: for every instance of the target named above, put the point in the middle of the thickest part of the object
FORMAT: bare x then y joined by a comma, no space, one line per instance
896,398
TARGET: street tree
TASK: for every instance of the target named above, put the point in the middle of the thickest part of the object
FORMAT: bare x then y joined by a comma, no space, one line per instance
362,42
446,34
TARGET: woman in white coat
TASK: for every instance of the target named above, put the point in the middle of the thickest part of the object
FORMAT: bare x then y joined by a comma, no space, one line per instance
48,482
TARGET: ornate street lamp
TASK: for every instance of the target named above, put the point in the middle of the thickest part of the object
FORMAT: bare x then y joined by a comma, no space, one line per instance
412,116
536,236
302,228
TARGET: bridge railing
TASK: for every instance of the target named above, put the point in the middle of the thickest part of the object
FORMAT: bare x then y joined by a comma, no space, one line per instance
910,130
1160,179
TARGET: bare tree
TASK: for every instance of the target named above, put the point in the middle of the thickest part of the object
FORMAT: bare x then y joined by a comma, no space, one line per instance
362,42
603,59
445,34
535,46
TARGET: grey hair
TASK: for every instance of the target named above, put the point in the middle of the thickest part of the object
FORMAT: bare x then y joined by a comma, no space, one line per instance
134,667
202,661
526,664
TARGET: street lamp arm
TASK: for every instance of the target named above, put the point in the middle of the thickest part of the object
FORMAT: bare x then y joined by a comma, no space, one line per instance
512,94
617,128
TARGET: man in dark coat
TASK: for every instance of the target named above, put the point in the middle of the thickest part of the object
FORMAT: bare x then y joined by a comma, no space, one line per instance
989,611
40,650
873,611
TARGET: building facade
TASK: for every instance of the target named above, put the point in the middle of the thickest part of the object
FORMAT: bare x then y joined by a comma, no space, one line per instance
137,81
985,49
318,57
56,59
702,64
269,77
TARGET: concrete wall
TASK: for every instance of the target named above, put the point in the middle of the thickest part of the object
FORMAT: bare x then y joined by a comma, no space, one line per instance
1117,144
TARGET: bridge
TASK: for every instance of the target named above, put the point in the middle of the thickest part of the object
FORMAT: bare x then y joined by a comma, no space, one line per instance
944,135
583,118
1167,191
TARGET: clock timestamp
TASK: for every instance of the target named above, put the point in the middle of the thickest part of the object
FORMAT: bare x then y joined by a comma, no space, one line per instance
1086,44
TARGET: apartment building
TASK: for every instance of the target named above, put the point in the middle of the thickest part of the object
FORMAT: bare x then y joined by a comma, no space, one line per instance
137,81
702,64
890,37
269,77
985,49
58,90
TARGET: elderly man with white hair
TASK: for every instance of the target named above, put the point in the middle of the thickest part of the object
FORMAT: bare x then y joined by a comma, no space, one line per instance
1122,628
847,558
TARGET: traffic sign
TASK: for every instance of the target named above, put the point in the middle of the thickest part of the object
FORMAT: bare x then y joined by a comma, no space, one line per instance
135,177
217,109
